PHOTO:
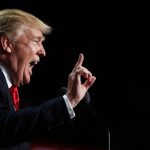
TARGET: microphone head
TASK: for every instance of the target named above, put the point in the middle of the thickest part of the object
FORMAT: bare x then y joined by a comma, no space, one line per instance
63,91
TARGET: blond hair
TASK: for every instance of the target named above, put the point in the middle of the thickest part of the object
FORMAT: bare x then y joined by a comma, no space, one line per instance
12,20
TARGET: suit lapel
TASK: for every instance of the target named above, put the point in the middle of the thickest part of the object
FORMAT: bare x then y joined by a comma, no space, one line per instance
4,91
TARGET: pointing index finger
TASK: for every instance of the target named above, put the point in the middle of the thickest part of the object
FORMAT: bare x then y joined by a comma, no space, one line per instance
79,62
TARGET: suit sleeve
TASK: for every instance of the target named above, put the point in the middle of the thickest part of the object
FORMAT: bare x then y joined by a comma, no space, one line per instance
18,126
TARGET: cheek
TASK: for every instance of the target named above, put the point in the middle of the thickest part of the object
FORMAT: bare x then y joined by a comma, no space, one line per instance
32,46
23,62
26,55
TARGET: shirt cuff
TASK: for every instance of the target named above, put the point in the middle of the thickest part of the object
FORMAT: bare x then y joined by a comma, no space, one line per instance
69,107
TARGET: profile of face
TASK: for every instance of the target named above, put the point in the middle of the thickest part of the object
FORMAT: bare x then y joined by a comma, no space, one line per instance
25,54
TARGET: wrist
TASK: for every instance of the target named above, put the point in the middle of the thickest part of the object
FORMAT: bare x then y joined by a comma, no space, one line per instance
74,100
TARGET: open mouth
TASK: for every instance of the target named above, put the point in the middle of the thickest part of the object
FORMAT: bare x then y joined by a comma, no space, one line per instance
33,63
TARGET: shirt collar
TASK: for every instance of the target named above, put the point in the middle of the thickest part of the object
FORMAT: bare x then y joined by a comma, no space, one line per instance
6,76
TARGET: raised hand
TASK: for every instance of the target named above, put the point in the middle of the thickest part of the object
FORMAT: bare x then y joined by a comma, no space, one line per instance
76,89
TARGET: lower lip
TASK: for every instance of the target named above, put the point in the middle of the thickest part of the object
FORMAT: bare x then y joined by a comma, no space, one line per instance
30,71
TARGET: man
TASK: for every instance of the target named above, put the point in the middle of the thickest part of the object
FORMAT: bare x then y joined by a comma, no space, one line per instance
21,37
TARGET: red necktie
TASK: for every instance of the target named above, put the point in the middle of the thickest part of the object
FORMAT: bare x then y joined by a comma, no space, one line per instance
15,96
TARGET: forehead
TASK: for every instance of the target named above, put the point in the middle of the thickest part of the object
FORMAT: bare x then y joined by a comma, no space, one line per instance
33,33
29,34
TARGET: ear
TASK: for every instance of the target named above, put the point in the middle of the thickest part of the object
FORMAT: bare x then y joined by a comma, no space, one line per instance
5,44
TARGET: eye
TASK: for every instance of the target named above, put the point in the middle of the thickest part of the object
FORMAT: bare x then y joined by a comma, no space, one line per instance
36,41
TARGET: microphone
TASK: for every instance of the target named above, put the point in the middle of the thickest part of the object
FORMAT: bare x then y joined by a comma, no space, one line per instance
84,106
89,111
63,91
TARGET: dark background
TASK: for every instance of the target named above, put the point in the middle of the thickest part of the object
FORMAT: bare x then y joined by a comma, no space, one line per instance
114,39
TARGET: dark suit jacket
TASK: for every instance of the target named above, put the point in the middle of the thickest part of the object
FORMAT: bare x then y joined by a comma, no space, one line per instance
17,127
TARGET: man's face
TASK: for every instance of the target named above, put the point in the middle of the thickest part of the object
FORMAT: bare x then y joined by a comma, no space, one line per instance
26,53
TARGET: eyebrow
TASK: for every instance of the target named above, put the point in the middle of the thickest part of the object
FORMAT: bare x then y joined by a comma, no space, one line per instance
40,38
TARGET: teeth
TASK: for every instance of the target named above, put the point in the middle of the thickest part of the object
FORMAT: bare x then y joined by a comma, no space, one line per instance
33,63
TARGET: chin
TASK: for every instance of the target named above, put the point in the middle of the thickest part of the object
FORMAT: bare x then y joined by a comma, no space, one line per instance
26,81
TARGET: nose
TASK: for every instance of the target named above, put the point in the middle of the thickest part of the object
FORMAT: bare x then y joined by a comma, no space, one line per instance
41,52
